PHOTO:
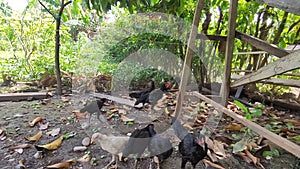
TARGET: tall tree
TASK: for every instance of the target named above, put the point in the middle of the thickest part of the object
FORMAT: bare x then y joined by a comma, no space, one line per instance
57,41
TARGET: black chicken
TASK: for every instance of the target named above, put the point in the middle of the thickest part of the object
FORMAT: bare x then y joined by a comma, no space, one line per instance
138,142
159,147
93,107
139,94
192,146
153,96
193,149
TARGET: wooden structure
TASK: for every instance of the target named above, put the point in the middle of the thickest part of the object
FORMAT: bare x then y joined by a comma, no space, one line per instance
289,61
23,96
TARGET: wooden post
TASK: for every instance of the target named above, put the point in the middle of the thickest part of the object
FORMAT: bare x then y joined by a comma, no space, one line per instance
188,57
229,52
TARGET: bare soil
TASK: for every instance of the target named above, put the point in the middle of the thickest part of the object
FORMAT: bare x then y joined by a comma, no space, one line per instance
15,116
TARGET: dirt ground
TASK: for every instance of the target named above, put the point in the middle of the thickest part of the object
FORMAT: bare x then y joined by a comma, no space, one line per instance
15,116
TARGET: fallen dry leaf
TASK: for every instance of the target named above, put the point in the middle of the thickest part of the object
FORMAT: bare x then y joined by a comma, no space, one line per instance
113,110
244,157
252,157
46,101
212,164
21,165
113,107
295,122
43,126
19,146
124,118
122,111
51,146
65,164
188,109
110,117
252,145
35,137
209,142
189,125
65,99
84,159
80,116
212,156
53,132
219,149
234,127
224,139
167,111
36,120
2,135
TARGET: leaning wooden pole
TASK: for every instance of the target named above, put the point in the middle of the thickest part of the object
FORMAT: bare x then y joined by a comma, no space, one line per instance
229,51
274,138
188,57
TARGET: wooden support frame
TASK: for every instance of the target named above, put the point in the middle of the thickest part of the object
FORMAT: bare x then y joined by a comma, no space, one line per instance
276,81
285,64
276,139
188,57
225,89
262,45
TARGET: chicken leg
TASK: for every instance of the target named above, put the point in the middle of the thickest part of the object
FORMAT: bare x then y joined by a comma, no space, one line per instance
113,159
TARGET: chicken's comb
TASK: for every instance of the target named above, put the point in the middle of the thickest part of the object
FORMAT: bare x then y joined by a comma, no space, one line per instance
168,84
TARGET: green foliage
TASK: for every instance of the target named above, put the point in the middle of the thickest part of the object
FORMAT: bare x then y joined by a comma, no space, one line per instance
137,42
270,154
244,109
240,145
252,112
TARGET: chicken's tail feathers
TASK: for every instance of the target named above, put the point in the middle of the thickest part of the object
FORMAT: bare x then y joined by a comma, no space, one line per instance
134,95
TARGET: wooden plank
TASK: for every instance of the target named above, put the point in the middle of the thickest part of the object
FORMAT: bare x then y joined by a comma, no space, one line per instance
211,37
225,89
276,139
262,45
23,96
188,57
250,71
285,64
115,99
292,6
250,53
282,82
276,81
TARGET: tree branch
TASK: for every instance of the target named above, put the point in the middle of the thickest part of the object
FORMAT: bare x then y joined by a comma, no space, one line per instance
62,7
47,10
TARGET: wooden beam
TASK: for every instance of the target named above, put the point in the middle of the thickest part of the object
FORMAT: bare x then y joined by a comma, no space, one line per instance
211,37
23,96
188,57
291,6
276,81
285,64
251,71
276,139
115,99
225,89
250,53
262,45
